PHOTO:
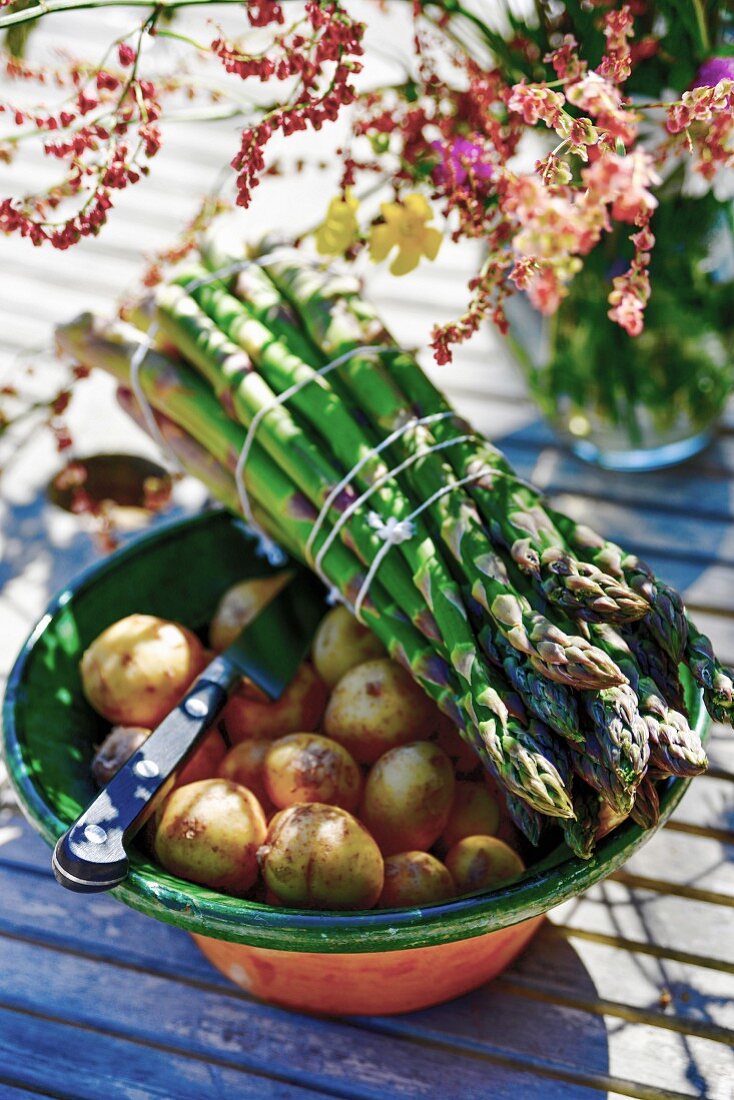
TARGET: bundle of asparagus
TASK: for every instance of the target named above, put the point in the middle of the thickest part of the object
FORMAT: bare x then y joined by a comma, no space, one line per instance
556,653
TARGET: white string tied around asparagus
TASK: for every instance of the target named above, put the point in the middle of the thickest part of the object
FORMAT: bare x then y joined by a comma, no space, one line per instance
136,362
347,514
412,422
280,399
387,544
392,531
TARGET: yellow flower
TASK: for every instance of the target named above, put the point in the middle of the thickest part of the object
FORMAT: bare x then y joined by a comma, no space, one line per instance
339,228
406,229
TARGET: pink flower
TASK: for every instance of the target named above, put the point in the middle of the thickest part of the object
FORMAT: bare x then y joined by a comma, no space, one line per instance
545,291
550,225
566,61
631,291
629,313
603,101
623,182
701,104
616,65
537,103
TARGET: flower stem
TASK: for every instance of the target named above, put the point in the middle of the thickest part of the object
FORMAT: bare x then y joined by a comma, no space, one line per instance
48,7
700,14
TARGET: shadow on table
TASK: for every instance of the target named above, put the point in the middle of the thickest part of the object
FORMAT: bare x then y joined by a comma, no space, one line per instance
55,546
527,1020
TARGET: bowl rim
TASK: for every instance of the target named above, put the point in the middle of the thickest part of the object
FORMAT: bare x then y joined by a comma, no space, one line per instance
555,879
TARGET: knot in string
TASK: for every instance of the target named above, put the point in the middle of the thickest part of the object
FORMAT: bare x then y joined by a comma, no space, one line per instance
392,530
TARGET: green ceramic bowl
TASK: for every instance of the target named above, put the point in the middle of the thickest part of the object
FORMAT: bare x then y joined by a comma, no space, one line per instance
179,572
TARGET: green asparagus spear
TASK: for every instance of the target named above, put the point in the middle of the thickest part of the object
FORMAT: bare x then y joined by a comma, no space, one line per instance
646,809
717,682
654,663
666,618
591,765
549,701
673,746
530,823
580,832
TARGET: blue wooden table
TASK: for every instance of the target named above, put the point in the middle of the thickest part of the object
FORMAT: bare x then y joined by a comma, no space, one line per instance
626,991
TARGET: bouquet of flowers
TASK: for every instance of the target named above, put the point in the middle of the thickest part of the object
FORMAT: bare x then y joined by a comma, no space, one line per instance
588,146
625,102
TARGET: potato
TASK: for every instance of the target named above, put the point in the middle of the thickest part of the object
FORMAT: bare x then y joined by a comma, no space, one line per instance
460,753
375,707
320,857
306,767
205,760
210,832
415,878
136,671
249,713
117,748
243,764
239,605
473,812
407,797
482,862
340,643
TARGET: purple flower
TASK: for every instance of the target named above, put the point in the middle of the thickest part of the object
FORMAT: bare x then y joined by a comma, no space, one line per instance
714,70
458,158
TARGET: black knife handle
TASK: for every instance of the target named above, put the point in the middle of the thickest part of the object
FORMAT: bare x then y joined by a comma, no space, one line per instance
90,856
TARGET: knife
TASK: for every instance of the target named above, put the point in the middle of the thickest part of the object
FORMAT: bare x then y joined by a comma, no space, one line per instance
91,855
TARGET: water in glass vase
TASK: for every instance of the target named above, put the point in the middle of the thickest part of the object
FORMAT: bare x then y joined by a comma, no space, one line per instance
637,403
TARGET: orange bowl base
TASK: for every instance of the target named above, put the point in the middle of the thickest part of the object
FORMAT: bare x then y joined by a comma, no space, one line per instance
375,983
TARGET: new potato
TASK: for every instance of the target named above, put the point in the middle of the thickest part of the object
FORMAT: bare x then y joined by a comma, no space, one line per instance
137,669
306,767
239,605
415,878
244,764
340,643
320,857
249,712
116,749
408,796
473,812
375,707
210,832
481,862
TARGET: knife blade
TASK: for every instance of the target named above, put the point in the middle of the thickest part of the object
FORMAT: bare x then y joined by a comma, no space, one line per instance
91,855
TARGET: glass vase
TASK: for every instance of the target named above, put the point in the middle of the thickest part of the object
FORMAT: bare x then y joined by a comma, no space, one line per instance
639,403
